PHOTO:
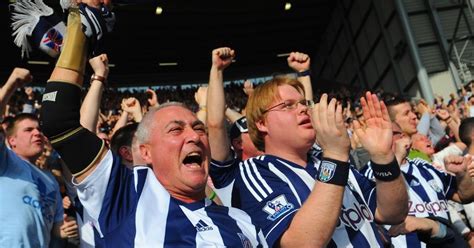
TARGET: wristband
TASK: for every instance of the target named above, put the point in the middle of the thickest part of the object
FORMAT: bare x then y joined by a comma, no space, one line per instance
212,196
386,172
304,73
333,171
98,78
441,232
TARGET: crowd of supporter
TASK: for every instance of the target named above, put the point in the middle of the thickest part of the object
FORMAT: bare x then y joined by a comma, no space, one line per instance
294,165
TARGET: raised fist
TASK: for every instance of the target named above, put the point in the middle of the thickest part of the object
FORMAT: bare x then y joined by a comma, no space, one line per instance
248,87
299,62
20,77
222,57
100,65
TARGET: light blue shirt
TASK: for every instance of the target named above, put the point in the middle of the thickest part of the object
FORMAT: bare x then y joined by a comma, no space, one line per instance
30,202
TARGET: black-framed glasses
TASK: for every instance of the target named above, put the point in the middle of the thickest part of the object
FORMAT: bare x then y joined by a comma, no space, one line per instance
290,104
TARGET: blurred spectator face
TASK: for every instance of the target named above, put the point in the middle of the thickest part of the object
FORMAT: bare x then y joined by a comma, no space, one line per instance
423,144
237,146
288,127
405,118
471,100
27,141
178,151
401,143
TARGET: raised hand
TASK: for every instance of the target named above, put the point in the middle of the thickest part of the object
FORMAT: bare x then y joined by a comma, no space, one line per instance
331,133
153,100
443,114
200,96
130,105
376,137
248,87
100,65
222,57
20,77
457,164
402,147
299,62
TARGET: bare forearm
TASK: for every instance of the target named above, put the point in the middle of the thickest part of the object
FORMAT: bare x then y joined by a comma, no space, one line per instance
454,127
202,115
137,116
216,98
392,201
465,188
215,117
232,115
308,88
314,224
6,93
90,106
122,121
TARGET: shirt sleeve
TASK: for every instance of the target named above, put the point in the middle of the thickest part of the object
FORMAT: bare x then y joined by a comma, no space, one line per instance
108,194
223,173
424,124
270,202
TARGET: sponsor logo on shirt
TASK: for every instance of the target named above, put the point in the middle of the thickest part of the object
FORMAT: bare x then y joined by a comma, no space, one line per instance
327,170
44,205
245,241
277,207
427,207
201,226
354,216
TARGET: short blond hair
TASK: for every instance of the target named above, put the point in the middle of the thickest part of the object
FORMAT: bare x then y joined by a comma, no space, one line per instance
260,100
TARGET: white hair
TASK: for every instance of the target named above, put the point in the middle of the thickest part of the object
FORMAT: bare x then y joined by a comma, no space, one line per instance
146,126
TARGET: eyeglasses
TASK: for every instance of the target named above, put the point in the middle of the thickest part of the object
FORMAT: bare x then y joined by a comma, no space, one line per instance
291,104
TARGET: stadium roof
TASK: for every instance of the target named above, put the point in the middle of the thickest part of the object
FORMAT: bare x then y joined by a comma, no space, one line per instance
186,32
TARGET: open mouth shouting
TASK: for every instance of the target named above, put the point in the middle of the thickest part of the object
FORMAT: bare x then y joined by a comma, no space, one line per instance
193,160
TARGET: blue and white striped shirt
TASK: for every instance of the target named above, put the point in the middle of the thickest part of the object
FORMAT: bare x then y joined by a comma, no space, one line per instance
271,189
428,192
132,209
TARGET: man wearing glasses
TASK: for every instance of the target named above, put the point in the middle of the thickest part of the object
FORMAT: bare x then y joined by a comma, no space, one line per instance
295,191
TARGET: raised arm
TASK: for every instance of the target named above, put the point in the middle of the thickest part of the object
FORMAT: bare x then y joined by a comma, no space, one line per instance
218,140
200,96
91,104
81,149
300,63
461,166
376,138
18,78
232,115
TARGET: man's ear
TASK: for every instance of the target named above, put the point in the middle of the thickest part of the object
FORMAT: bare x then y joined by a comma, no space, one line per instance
145,153
261,126
11,141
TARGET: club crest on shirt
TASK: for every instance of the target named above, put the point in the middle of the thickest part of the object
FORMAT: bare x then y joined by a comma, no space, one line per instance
435,186
326,171
277,207
245,241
